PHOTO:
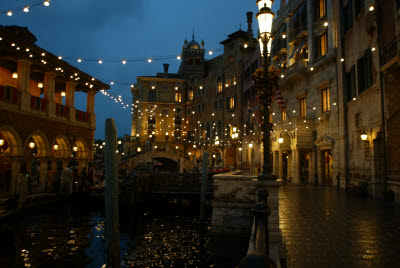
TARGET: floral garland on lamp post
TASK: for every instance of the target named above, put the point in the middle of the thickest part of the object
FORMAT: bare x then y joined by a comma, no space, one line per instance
266,84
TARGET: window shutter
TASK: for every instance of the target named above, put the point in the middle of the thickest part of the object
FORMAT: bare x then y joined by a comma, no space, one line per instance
368,67
353,81
360,75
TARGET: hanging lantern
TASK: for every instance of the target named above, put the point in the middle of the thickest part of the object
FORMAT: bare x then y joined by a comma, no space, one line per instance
364,136
55,146
280,140
75,148
32,143
139,149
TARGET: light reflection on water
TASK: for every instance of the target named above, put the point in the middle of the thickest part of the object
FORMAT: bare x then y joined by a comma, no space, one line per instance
67,236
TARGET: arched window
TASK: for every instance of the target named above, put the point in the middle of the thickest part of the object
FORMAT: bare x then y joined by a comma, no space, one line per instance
219,85
190,93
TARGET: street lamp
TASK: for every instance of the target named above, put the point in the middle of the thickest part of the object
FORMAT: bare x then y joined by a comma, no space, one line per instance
32,143
364,136
265,17
2,142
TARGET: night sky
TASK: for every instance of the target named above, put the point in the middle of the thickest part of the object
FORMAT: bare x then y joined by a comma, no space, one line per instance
120,29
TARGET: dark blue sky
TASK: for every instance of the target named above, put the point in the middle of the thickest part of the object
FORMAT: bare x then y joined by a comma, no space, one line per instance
121,29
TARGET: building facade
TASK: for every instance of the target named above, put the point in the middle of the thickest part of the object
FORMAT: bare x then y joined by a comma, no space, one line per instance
205,103
41,131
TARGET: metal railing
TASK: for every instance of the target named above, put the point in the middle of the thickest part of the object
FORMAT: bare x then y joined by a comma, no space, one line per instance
9,94
391,50
38,104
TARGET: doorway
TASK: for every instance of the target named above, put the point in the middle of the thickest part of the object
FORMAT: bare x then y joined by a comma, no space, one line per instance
304,166
327,167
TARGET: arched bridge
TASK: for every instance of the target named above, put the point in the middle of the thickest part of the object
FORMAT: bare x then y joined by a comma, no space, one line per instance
129,164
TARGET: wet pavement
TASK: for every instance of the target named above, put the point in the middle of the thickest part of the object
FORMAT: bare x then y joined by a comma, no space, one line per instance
324,227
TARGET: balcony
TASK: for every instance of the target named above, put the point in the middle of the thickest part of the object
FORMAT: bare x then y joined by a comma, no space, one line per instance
81,116
9,94
38,104
390,53
62,110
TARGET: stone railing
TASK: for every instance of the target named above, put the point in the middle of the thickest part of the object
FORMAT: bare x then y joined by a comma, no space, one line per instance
38,104
9,94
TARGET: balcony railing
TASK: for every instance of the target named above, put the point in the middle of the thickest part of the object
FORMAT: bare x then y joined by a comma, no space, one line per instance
38,104
82,116
62,111
9,94
391,50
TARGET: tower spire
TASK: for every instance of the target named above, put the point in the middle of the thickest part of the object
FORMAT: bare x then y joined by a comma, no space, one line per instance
193,34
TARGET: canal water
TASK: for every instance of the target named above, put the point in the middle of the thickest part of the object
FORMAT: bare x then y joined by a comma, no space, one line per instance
72,235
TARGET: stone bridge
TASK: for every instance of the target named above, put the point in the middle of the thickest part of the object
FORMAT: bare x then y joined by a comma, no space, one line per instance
183,164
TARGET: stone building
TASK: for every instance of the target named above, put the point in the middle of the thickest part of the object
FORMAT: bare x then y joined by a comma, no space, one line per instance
305,144
41,131
388,24
204,99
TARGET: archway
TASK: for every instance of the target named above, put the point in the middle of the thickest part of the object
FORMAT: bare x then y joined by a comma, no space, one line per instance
80,155
10,148
229,159
36,152
60,152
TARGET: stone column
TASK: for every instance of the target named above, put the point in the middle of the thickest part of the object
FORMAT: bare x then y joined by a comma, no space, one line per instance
23,81
310,15
311,167
296,170
43,175
274,162
15,168
90,102
70,99
319,166
49,88
289,165
280,161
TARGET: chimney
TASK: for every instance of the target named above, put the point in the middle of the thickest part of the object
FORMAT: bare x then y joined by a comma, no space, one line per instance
250,23
166,67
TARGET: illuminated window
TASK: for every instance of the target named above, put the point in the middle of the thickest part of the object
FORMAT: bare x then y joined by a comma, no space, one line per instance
178,97
302,104
229,82
320,8
220,87
234,80
322,45
325,100
190,94
284,114
231,103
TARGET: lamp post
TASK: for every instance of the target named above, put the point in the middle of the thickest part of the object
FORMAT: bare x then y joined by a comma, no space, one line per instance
235,135
265,17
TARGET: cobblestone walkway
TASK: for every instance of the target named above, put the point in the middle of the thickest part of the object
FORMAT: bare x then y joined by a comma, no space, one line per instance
324,227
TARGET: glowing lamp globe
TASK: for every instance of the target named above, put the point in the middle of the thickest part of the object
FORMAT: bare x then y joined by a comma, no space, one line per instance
2,142
265,17
262,3
139,149
364,136
280,140
55,147
32,144
250,145
75,148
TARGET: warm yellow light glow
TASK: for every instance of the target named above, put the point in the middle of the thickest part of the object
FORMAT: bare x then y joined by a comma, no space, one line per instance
15,75
149,60
32,144
194,146
240,149
342,59
312,69
139,149
245,45
100,62
373,49
75,148
284,36
55,147
137,135
210,52
46,3
79,60
9,13
176,147
364,136
26,9
40,85
325,23
119,142
178,57
2,142
371,8
63,94
250,145
280,140
124,62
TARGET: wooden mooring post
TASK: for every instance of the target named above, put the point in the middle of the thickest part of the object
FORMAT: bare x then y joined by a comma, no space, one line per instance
111,197
203,187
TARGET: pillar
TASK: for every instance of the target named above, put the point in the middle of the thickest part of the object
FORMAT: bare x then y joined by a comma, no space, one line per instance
310,16
43,175
311,167
90,102
280,159
274,163
296,170
319,166
15,170
49,88
70,99
289,166
23,81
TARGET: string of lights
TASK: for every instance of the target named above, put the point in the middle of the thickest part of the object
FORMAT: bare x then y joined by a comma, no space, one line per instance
25,8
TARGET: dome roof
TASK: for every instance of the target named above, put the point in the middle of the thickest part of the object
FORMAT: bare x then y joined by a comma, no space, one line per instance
193,45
